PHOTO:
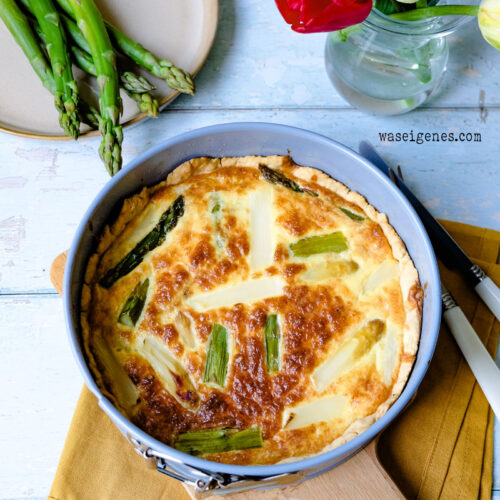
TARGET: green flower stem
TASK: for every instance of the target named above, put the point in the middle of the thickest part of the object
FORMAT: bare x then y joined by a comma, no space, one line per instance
436,11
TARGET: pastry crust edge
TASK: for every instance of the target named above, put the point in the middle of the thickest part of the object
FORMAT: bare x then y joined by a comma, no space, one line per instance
202,165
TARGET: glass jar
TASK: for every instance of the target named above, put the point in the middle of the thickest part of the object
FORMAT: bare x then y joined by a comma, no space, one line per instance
386,66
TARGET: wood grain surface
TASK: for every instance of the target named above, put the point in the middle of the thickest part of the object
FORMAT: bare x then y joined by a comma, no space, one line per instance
258,70
362,477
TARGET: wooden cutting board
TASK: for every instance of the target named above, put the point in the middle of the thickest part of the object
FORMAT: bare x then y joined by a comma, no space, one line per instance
361,477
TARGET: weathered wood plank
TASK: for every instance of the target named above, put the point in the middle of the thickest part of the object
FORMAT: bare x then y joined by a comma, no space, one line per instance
40,386
258,62
56,181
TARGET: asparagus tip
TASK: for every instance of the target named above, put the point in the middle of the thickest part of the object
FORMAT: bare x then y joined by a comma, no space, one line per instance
110,147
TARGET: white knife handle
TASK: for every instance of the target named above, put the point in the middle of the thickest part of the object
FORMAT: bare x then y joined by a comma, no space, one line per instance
490,294
481,363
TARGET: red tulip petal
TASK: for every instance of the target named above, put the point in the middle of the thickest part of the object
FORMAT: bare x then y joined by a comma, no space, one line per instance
314,16
291,16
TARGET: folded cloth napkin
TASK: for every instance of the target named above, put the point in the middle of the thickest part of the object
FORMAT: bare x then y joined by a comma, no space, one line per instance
440,447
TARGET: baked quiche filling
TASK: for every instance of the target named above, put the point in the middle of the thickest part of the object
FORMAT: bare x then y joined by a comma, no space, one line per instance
251,311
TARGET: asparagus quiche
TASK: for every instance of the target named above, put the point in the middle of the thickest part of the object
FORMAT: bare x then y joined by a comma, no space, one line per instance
251,311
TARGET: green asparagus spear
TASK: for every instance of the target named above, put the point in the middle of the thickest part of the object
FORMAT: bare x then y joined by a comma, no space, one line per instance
89,115
275,177
245,439
135,83
91,24
218,440
134,305
151,241
66,91
129,80
83,60
19,25
217,356
325,243
176,78
272,343
352,215
73,31
145,101
136,86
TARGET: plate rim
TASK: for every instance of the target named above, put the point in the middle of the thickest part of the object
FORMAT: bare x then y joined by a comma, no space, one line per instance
140,116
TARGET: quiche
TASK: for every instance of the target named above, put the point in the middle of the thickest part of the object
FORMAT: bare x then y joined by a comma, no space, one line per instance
250,310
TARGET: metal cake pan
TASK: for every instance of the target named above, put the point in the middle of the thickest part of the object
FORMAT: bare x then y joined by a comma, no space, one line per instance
240,139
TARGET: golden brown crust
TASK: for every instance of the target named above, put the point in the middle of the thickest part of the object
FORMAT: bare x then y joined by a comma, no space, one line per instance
317,319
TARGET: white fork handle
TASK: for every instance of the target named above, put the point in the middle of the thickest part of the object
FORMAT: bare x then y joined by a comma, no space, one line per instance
481,363
490,294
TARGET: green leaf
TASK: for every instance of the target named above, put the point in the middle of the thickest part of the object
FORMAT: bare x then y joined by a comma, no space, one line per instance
388,6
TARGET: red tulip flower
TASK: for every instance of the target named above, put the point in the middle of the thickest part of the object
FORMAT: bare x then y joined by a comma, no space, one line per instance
314,16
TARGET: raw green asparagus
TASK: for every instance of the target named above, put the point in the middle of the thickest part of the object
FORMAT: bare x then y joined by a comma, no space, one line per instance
272,343
134,305
325,243
91,24
19,26
89,115
218,440
275,177
66,91
352,215
151,241
133,84
145,101
176,78
217,356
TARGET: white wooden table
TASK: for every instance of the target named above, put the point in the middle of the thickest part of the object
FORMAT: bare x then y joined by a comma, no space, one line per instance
258,70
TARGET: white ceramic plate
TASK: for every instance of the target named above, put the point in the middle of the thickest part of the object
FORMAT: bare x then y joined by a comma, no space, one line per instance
179,30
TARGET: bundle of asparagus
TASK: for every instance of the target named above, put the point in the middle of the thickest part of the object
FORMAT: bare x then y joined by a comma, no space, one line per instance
53,37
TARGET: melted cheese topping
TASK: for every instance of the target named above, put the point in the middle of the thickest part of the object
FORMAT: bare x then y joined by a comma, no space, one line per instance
349,321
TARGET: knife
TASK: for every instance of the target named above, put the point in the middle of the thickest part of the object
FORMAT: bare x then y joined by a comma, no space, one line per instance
478,358
481,363
444,245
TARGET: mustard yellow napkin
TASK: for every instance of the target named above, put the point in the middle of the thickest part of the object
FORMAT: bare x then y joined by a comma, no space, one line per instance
441,447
